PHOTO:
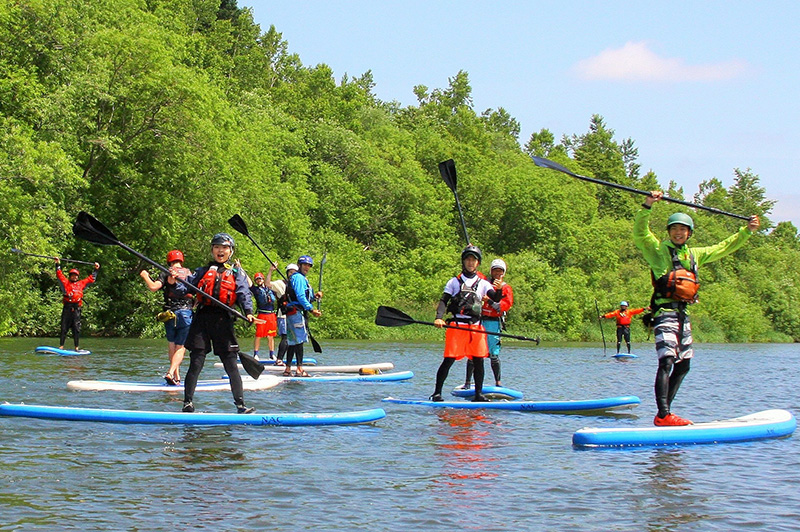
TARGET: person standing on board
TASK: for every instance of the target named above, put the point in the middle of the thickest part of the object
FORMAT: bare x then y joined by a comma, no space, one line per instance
266,303
299,304
493,315
623,316
673,268
279,287
72,290
463,297
212,326
177,313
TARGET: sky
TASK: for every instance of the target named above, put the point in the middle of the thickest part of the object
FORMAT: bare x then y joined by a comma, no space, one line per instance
702,87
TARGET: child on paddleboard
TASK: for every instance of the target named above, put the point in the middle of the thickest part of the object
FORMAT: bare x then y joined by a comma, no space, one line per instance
177,311
212,326
463,297
72,290
673,267
266,305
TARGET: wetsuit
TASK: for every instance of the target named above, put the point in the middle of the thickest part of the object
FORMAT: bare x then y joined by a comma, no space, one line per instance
73,303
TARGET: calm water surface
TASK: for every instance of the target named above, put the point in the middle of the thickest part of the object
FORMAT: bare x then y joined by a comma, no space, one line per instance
419,469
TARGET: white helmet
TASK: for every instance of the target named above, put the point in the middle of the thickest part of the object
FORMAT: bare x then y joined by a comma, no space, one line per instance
292,266
499,263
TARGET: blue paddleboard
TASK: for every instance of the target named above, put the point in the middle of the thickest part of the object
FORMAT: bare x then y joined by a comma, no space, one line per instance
185,418
625,356
586,406
492,392
47,350
761,425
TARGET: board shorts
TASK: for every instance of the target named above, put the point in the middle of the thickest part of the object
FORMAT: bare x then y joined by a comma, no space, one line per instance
269,327
665,330
492,340
462,342
177,329
296,332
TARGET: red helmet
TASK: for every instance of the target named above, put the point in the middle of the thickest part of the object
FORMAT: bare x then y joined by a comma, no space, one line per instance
174,255
259,275
75,271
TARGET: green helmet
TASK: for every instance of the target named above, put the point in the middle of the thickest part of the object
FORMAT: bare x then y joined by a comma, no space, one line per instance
680,218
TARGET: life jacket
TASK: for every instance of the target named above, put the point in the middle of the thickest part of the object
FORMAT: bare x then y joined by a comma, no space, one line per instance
678,284
466,302
265,299
174,296
288,302
220,284
73,292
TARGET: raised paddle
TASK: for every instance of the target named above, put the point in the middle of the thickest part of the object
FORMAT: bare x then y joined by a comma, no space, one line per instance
15,250
600,321
88,228
448,170
391,317
238,224
546,163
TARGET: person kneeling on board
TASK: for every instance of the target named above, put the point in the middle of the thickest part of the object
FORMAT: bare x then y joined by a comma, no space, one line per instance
673,269
463,297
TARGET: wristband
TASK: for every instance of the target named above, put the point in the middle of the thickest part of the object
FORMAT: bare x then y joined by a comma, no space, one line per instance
646,206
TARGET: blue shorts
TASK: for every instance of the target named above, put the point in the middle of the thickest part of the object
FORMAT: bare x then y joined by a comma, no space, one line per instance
178,329
296,332
491,339
281,325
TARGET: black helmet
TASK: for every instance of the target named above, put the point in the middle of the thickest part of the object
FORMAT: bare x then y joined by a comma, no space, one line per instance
223,239
472,250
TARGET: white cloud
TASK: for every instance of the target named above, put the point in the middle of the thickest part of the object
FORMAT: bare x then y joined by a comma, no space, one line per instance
636,62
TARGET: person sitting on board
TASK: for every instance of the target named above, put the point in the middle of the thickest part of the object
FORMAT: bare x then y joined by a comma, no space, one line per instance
493,315
72,290
279,287
463,297
266,303
212,326
177,312
300,296
623,316
673,269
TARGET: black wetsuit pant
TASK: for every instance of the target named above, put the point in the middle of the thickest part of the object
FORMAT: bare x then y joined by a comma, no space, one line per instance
624,332
294,351
494,362
213,329
444,370
668,379
71,319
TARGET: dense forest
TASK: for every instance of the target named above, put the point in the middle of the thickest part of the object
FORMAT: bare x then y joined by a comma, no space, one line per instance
163,118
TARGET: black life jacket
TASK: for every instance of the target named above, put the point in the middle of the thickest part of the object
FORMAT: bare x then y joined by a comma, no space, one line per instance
467,302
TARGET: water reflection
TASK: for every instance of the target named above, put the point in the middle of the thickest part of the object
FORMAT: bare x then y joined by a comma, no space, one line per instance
669,483
209,447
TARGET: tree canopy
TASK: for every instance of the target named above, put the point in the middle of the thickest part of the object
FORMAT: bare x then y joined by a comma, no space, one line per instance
163,118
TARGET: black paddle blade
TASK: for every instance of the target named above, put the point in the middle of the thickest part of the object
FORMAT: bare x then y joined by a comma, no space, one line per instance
314,344
547,163
391,317
253,367
448,170
238,224
87,227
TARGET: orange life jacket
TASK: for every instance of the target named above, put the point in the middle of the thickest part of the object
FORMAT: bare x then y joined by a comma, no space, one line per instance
220,284
678,284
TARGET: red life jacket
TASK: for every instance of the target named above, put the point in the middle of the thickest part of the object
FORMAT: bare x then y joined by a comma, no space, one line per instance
73,292
220,284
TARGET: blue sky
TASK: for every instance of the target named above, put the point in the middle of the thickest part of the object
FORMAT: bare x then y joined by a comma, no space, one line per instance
701,87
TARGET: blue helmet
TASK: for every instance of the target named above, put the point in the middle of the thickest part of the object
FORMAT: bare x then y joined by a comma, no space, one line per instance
305,259
623,304
223,239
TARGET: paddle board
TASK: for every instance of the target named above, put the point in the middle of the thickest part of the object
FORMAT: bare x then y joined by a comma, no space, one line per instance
625,356
307,361
354,368
381,377
47,350
761,425
586,406
195,418
264,382
492,392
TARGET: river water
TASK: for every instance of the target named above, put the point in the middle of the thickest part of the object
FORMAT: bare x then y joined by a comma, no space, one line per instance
418,469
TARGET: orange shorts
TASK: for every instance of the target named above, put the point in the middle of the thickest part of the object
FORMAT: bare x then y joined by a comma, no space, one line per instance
269,328
462,342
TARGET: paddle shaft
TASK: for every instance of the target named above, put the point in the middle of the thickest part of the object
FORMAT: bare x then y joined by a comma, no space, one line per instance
600,322
545,163
15,250
505,335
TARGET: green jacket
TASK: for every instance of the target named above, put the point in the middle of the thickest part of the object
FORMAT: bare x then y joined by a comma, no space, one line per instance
658,256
